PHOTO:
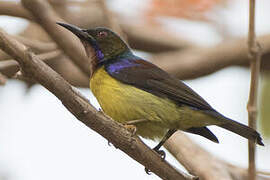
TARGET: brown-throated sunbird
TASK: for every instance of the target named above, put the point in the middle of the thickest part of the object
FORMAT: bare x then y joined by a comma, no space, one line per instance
131,89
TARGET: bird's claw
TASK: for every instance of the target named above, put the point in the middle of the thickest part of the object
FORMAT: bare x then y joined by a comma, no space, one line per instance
161,153
131,128
147,171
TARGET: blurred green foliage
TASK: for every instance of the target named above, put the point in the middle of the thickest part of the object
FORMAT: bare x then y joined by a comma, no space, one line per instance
265,106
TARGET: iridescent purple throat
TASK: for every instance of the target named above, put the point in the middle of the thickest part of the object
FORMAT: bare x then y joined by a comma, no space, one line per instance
119,65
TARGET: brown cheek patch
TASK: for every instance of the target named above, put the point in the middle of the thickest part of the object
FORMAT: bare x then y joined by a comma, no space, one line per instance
88,49
93,59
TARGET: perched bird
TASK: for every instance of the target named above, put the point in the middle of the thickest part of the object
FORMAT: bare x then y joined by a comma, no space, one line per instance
134,91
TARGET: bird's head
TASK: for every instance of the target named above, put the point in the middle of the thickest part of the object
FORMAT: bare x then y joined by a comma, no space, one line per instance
104,43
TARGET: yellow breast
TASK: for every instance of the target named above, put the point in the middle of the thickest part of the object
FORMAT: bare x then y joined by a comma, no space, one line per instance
124,103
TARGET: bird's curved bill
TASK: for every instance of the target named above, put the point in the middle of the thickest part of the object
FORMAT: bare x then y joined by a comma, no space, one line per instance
87,40
80,33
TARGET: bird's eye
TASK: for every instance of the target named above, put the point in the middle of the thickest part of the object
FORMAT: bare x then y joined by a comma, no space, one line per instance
102,34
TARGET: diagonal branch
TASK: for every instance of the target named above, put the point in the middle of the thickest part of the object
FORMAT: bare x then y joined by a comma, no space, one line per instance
47,18
87,114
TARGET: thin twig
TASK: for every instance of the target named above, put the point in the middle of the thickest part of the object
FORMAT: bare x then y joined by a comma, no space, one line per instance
114,132
255,60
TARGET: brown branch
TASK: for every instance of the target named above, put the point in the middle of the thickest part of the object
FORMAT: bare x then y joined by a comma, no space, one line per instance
197,62
14,9
10,67
207,162
3,55
202,163
146,38
152,39
141,37
192,63
47,18
87,114
255,61
36,45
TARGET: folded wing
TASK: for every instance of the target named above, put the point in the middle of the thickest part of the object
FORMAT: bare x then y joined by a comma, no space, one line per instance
150,78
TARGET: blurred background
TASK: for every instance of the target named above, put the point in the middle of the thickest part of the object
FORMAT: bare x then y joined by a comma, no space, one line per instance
40,139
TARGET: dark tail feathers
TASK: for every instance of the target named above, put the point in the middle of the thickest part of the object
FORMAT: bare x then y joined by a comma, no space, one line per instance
205,132
243,130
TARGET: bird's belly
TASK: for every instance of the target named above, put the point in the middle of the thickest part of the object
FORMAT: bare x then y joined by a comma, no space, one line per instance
125,103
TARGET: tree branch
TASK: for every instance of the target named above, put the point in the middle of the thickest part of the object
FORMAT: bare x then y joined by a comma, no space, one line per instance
47,18
145,38
192,63
202,163
152,39
207,162
10,67
14,9
87,114
255,61
36,45
198,62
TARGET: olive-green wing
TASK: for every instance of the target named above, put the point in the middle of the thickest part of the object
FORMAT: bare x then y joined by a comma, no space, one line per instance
150,78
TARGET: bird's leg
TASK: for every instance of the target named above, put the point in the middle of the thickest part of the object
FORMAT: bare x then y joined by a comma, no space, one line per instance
137,121
131,125
131,128
161,152
164,139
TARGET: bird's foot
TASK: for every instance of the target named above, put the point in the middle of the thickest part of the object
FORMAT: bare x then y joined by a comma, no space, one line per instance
147,171
99,110
131,128
161,153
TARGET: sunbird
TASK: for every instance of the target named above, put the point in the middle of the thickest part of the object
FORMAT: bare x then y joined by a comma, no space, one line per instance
135,92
